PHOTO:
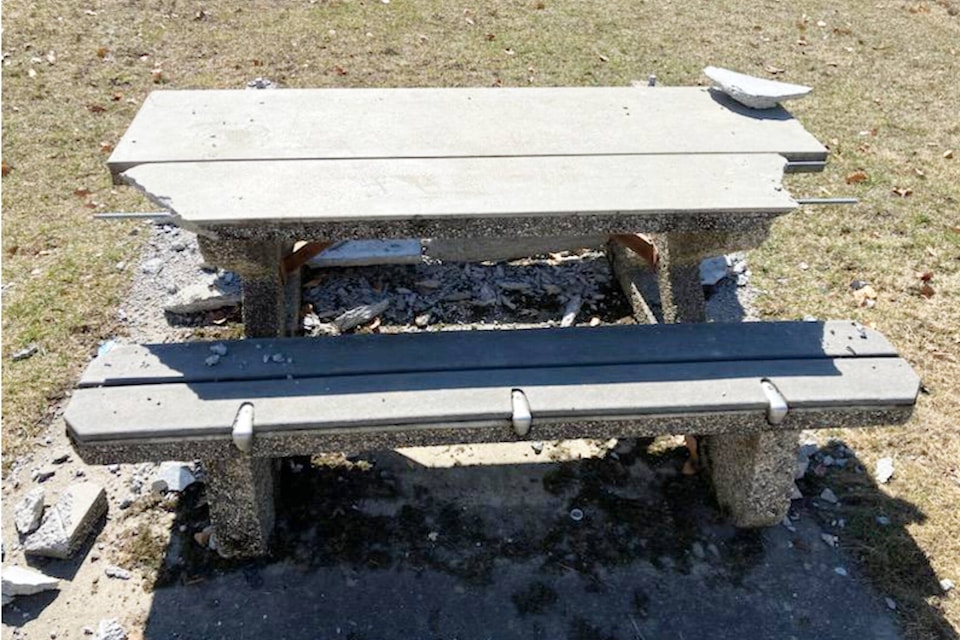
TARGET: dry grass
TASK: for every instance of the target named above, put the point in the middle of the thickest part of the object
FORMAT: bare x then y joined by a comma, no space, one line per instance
886,101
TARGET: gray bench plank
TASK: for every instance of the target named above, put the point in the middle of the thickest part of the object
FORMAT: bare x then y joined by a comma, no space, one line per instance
478,350
473,398
270,191
186,126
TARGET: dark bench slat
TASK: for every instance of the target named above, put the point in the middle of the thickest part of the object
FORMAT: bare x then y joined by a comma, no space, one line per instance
461,350
483,397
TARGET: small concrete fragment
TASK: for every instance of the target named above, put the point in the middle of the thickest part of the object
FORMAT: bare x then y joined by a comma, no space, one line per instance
884,470
753,92
113,571
28,511
947,585
67,524
20,581
829,496
173,476
111,629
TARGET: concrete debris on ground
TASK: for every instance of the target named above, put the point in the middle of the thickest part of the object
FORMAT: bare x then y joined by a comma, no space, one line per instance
66,524
425,295
27,352
212,293
21,581
884,470
111,629
42,475
113,571
946,584
829,496
714,270
173,476
27,512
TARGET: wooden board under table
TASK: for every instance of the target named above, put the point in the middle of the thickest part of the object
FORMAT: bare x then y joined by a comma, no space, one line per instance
448,379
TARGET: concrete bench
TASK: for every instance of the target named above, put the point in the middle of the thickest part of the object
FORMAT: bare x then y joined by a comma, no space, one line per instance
240,405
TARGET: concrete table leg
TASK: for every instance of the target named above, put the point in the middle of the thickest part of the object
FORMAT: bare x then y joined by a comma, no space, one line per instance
636,277
259,264
240,494
753,475
681,294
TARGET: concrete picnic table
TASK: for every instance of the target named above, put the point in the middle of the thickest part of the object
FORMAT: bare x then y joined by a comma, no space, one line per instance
253,172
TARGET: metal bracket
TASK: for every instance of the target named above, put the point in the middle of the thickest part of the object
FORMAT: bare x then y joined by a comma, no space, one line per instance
522,418
243,428
777,405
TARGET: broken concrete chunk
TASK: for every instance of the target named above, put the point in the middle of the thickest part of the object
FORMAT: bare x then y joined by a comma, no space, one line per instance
713,270
753,92
884,470
173,476
208,295
28,511
67,524
20,581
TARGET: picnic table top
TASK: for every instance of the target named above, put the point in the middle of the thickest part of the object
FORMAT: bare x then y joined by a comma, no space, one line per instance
224,157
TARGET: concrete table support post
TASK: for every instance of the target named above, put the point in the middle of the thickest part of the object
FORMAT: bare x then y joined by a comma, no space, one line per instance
240,493
681,295
629,268
259,264
753,475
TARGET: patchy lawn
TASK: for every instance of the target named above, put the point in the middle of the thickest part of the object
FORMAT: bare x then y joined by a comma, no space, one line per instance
885,101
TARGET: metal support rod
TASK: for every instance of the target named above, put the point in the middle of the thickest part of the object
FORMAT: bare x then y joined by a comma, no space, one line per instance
828,200
136,215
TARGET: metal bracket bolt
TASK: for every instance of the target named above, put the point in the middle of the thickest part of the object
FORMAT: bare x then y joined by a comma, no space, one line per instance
243,428
777,405
522,418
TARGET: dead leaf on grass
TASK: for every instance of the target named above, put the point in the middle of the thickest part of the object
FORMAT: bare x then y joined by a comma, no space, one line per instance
102,52
902,192
5,169
117,97
604,58
82,192
857,177
865,296
941,355
95,108
924,276
106,147
490,37
948,154
926,290
340,71
772,70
